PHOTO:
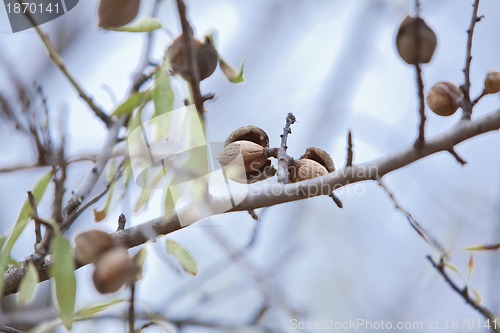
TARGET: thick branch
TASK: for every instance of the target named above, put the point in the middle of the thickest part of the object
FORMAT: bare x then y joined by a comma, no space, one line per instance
278,193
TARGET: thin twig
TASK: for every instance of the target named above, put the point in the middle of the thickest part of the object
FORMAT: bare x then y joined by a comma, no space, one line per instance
131,309
77,212
457,157
419,143
337,200
283,158
350,150
34,210
122,220
467,104
192,63
7,329
56,58
414,223
464,293
478,98
253,214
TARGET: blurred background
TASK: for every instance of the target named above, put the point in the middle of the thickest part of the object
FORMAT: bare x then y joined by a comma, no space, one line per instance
333,64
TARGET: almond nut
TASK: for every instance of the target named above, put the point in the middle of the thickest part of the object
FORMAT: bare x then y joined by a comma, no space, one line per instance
307,169
90,245
113,270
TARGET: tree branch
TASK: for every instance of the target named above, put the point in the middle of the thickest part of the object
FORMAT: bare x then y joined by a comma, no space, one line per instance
467,104
282,156
413,222
56,58
278,193
420,83
464,293
192,61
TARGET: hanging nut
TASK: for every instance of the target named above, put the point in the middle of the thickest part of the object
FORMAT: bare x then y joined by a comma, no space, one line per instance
116,13
314,163
90,245
205,53
415,41
251,143
113,270
492,83
444,98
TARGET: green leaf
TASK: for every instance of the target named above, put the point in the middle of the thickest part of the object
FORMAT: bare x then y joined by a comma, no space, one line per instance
452,267
130,104
147,191
145,24
100,215
185,258
28,284
140,259
21,223
92,310
163,96
231,74
169,204
63,272
477,296
46,327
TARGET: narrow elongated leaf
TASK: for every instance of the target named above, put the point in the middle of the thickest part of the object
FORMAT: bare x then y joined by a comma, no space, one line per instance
147,191
477,297
133,102
145,24
140,259
470,266
28,284
95,309
231,74
100,215
452,267
21,223
63,272
163,96
185,258
490,247
169,204
47,326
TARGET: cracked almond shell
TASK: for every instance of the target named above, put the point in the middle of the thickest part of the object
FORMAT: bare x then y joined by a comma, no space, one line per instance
320,156
254,155
307,169
249,133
